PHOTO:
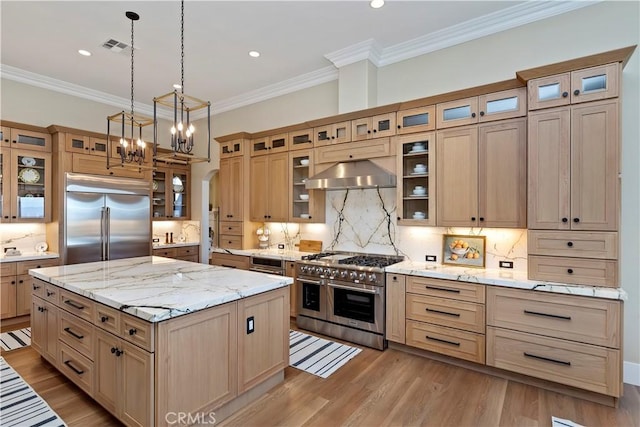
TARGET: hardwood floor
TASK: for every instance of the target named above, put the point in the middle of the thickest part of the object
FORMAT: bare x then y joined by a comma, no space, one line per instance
374,389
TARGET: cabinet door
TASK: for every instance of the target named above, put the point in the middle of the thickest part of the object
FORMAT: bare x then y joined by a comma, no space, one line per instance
396,308
335,133
31,177
5,136
7,186
548,168
260,146
416,120
595,193
233,148
30,140
77,143
279,143
107,385
159,200
38,324
259,188
416,190
503,105
301,140
373,127
8,291
502,174
136,369
361,129
278,182
180,190
552,91
457,165
23,294
100,147
50,339
596,83
304,205
457,113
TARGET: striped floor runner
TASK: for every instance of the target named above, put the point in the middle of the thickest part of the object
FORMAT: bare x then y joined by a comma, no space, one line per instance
20,405
318,356
15,339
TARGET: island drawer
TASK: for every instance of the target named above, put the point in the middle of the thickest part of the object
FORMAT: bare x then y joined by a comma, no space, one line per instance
76,367
446,289
230,261
51,293
579,271
76,333
24,266
107,318
579,365
452,342
233,228
76,304
446,312
37,287
584,319
8,269
582,244
137,331
166,252
187,250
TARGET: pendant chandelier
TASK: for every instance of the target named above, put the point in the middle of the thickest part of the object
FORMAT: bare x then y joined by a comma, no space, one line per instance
182,106
131,146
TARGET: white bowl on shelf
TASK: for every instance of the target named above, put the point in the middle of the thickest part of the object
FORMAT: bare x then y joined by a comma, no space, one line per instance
419,190
419,215
304,162
420,168
304,197
304,216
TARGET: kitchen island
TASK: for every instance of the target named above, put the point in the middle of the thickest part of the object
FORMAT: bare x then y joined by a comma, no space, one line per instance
158,341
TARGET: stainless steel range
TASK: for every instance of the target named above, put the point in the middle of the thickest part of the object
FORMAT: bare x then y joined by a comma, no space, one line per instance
342,294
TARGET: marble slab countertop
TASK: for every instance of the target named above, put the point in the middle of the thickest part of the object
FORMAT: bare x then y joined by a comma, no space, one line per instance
266,253
506,278
28,256
156,288
174,245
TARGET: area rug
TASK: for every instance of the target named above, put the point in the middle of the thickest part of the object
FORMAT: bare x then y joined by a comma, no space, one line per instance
318,356
15,339
20,405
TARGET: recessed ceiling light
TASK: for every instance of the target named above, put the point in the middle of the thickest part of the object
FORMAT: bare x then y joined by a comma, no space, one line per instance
177,86
254,53
84,52
376,4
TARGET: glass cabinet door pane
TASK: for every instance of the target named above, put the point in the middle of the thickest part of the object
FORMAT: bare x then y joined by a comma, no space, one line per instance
180,188
384,125
457,113
547,92
77,143
278,143
30,187
159,195
323,135
594,83
31,140
100,147
415,120
500,105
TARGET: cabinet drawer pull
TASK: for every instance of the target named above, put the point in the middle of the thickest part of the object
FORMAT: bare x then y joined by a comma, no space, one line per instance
229,266
74,304
73,368
104,319
457,344
570,244
132,331
565,94
49,293
555,316
547,359
446,313
36,287
437,288
70,332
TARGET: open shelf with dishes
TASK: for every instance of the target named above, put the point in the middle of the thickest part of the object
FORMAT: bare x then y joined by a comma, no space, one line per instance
416,188
170,193
26,186
305,205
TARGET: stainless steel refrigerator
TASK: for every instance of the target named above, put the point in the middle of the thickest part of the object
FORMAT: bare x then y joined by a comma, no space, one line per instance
106,218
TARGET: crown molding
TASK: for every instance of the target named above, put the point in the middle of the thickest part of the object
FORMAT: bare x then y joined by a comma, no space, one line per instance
367,49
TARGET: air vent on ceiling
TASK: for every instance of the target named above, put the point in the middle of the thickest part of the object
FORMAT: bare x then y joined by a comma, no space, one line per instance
115,46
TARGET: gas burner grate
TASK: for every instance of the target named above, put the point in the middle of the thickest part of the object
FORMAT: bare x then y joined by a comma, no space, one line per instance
369,261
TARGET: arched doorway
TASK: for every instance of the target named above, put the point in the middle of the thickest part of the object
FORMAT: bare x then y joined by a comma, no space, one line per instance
208,213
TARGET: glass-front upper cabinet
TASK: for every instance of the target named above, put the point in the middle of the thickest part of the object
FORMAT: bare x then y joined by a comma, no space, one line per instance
159,194
335,133
30,190
5,136
30,140
233,148
505,104
85,144
305,205
416,189
550,91
379,126
416,119
300,140
170,189
179,188
5,187
457,113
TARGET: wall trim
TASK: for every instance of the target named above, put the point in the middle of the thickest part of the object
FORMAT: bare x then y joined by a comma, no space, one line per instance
631,373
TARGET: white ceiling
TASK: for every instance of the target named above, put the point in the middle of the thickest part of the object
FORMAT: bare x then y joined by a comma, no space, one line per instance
301,42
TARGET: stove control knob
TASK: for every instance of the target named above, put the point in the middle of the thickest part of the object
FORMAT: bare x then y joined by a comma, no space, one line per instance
318,270
303,268
372,277
343,274
334,273
362,276
353,275
327,271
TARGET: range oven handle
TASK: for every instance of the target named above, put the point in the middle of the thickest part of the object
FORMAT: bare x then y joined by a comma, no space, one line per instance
351,288
312,282
260,270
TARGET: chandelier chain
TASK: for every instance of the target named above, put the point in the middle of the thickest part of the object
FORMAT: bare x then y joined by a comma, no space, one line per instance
132,67
182,46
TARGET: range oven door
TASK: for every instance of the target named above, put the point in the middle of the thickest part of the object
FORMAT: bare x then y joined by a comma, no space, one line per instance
356,305
312,299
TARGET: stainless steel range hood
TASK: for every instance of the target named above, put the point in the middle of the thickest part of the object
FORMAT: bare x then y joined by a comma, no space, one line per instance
355,174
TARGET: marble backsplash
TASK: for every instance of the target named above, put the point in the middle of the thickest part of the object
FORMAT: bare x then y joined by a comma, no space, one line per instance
190,230
365,221
23,237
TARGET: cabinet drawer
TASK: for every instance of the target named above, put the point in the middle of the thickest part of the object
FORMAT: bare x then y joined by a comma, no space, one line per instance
231,261
190,258
446,289
76,304
166,252
187,250
137,331
580,244
579,271
24,266
37,287
51,293
579,365
230,242
76,367
107,318
233,228
7,269
449,341
370,149
76,333
446,312
583,319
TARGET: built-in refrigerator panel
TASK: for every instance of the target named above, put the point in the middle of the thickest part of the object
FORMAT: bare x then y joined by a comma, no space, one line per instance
84,227
127,239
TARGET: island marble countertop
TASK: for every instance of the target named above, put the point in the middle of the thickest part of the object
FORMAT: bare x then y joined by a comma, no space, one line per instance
156,288
506,278
174,245
265,253
28,256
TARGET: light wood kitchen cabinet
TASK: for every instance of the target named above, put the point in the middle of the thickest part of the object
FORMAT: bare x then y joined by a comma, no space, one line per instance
23,139
301,140
574,167
9,293
590,84
379,126
304,205
97,165
359,150
486,166
44,327
84,144
478,109
270,144
233,148
241,262
171,192
5,136
268,190
290,271
395,317
418,119
26,186
457,113
416,188
230,186
183,253
335,133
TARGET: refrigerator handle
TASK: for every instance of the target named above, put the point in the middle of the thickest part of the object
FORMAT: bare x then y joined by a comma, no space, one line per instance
102,233
108,232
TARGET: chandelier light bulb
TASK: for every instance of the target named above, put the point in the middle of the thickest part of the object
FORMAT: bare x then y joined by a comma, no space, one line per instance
180,127
123,142
173,130
191,128
141,143
188,133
